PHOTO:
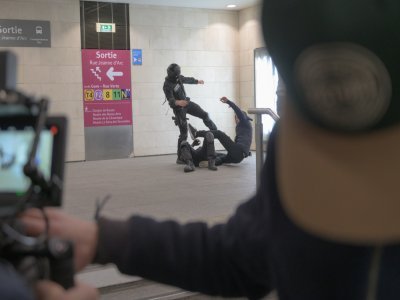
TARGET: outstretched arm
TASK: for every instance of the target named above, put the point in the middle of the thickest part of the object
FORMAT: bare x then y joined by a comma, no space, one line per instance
228,259
191,80
241,116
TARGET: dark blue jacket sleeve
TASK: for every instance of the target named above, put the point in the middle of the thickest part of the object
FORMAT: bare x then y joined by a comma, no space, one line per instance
241,116
228,259
12,286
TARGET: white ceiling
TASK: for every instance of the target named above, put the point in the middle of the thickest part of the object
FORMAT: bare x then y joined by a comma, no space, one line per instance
211,4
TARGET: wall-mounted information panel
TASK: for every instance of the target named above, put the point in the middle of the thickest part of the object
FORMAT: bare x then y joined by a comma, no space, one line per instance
25,33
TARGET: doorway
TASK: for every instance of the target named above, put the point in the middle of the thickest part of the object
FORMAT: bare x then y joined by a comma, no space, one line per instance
266,83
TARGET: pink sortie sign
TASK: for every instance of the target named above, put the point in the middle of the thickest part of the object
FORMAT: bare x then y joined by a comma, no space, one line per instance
107,92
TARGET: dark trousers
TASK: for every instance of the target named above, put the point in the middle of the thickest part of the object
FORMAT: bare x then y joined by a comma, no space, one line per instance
235,151
180,119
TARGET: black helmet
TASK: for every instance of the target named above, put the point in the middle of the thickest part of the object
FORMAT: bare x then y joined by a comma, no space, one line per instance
173,71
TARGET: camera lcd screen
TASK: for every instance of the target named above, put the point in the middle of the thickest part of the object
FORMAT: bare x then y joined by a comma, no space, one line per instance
16,138
15,147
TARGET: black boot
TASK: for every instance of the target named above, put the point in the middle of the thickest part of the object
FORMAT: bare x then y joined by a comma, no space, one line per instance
192,131
189,167
211,165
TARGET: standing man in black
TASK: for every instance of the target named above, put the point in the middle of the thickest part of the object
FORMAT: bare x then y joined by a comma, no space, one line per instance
238,149
181,104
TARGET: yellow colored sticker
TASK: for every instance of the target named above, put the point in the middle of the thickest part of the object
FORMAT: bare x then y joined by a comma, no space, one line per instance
107,94
89,94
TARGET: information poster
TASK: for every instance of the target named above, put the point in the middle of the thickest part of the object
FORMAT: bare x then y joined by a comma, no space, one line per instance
25,33
107,94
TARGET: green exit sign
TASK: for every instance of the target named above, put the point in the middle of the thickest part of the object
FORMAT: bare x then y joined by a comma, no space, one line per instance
105,27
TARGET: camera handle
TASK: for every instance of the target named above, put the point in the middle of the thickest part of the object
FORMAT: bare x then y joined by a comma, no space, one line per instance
53,259
61,262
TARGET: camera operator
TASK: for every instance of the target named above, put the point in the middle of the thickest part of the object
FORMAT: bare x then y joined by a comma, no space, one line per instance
325,221
181,104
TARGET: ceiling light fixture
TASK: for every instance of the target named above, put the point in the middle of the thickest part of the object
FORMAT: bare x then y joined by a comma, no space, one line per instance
231,6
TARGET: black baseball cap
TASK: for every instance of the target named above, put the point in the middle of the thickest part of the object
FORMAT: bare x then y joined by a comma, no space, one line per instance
338,141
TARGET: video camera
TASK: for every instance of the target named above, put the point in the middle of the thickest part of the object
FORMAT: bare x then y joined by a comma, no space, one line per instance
32,153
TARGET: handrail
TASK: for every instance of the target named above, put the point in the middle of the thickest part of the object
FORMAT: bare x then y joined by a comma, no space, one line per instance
258,112
263,111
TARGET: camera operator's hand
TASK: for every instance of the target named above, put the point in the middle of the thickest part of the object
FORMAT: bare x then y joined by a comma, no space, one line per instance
82,233
48,290
200,81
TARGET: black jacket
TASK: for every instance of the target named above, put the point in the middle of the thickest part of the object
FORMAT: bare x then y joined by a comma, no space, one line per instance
244,130
257,250
174,89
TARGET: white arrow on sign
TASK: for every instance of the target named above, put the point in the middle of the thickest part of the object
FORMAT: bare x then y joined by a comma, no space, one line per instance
111,74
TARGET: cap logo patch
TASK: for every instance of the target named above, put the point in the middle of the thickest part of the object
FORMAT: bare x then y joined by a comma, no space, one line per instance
343,85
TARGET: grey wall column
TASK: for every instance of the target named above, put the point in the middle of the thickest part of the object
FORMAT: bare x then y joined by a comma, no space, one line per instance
258,112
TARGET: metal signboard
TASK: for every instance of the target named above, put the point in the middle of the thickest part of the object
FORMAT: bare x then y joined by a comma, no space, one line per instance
25,33
106,87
